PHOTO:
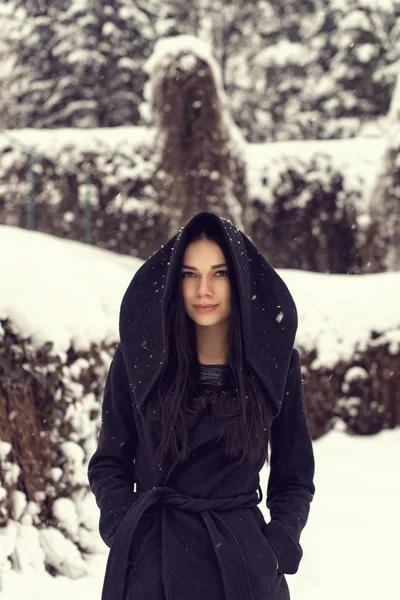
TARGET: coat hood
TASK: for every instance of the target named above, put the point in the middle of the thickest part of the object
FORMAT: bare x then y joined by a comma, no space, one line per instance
268,313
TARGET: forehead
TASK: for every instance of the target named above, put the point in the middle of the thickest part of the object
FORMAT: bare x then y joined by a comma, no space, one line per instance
202,251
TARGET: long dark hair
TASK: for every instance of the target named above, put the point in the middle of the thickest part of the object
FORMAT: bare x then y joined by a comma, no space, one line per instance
247,435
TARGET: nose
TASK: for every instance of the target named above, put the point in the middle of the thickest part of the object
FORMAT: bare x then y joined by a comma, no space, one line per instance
205,288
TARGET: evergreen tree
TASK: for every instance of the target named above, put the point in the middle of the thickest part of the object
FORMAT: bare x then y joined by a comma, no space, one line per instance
31,37
278,70
7,16
292,69
356,42
79,64
323,69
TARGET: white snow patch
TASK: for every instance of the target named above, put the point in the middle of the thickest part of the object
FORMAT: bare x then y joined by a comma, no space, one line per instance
5,449
356,373
8,536
64,510
65,291
18,503
338,313
51,141
56,473
187,46
62,554
28,553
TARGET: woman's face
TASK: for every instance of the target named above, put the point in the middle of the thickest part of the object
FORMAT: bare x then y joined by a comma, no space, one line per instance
205,281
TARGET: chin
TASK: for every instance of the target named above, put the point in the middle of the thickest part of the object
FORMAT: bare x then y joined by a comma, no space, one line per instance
208,318
204,321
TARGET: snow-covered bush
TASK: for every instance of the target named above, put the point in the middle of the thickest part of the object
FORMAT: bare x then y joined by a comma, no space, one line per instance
385,208
361,398
305,213
96,190
50,417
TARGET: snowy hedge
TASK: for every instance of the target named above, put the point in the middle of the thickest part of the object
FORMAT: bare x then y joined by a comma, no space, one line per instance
309,216
115,182
50,417
49,420
385,206
361,397
59,304
306,212
349,341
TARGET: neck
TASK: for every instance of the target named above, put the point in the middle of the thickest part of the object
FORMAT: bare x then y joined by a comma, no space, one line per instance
212,344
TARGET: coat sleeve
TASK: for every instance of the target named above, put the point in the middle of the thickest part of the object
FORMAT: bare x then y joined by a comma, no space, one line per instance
290,485
111,468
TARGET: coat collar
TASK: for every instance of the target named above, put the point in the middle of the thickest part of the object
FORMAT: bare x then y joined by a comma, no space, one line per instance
268,312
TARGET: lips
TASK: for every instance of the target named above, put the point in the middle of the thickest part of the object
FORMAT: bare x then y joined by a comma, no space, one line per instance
205,305
204,308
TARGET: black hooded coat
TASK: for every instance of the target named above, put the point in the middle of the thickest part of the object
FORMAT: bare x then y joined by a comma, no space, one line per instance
193,530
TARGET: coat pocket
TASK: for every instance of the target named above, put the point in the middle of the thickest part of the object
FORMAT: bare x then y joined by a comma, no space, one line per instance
272,552
261,524
142,529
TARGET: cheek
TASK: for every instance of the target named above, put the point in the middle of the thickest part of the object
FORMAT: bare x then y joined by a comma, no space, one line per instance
185,294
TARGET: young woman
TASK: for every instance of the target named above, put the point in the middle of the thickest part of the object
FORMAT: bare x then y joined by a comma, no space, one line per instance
204,381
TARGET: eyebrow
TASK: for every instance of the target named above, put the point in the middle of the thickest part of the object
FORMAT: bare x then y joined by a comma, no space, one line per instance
195,268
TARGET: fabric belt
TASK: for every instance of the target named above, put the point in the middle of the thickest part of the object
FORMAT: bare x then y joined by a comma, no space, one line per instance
232,564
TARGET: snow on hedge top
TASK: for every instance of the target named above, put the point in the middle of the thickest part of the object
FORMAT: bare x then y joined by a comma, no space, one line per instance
184,48
359,157
339,313
61,290
47,142
68,292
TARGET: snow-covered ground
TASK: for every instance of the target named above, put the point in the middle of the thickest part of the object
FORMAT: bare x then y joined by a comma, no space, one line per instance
350,543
